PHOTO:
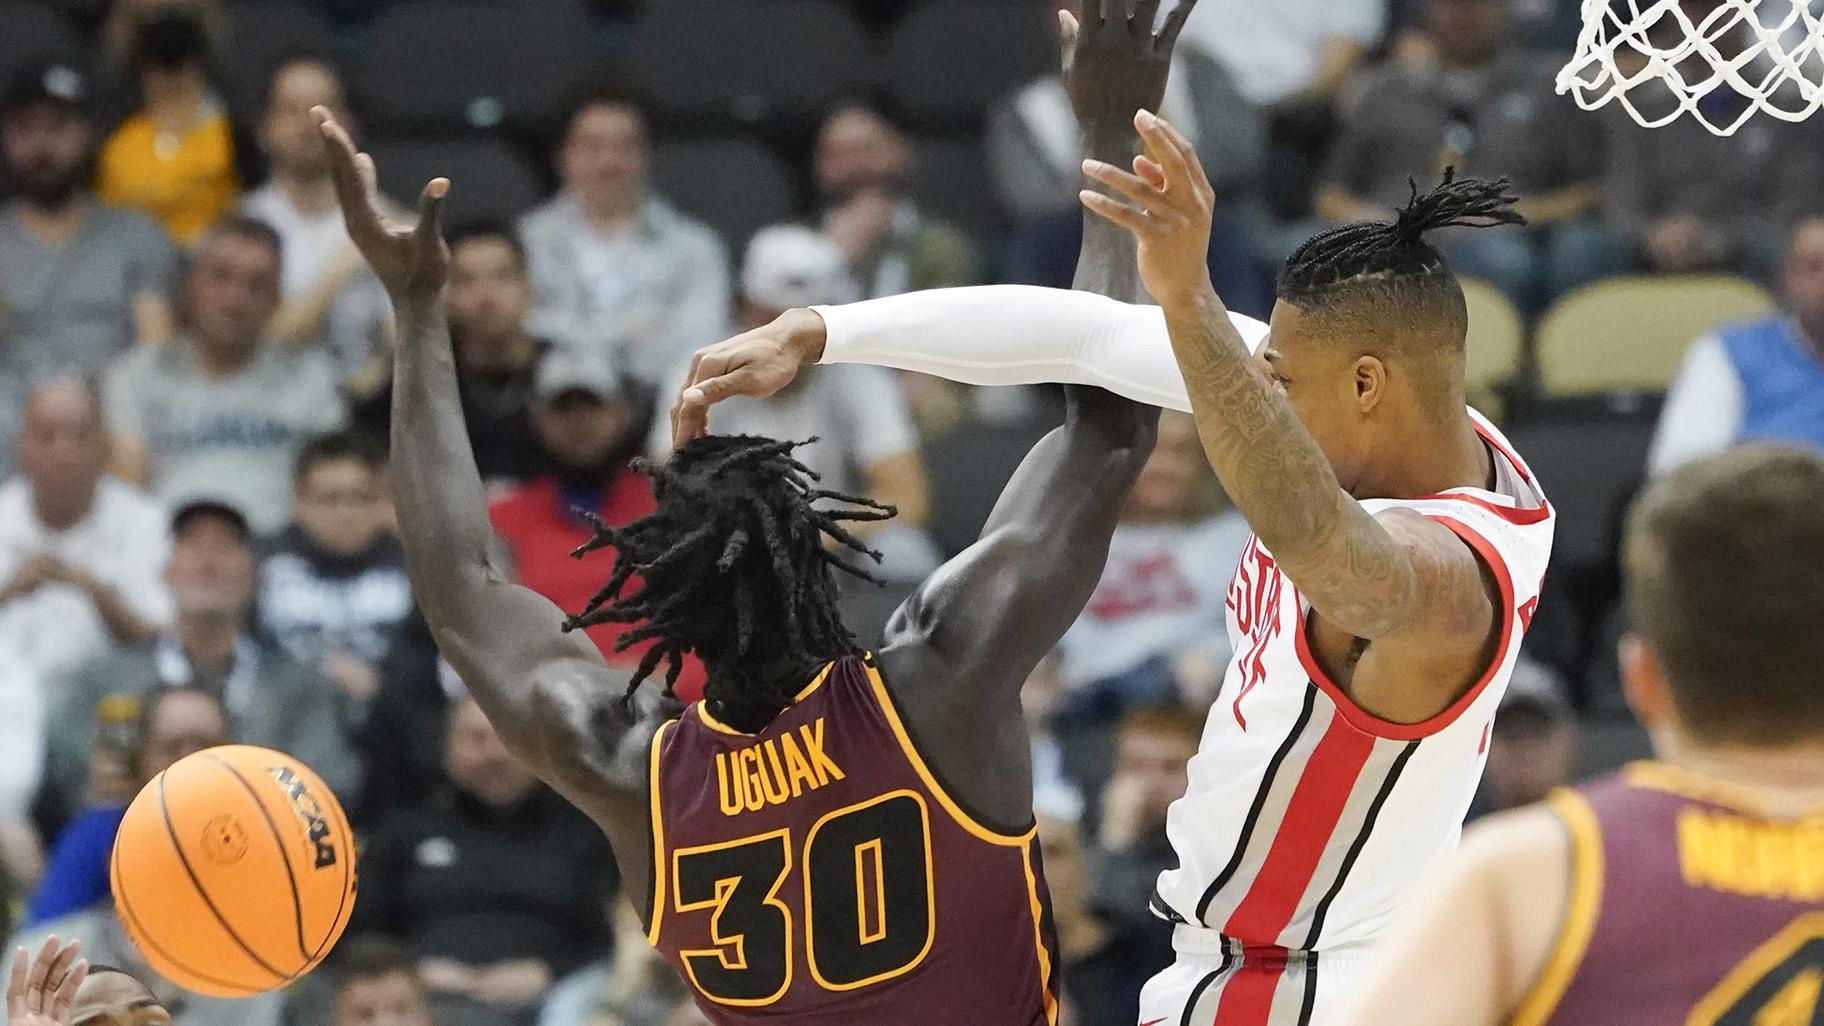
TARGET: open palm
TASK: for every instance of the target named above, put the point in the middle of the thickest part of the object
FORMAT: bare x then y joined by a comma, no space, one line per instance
41,990
412,261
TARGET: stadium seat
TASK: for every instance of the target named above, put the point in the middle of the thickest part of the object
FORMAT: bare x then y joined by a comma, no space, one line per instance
949,60
489,179
950,182
750,62
1497,340
260,34
1631,333
475,64
33,31
736,185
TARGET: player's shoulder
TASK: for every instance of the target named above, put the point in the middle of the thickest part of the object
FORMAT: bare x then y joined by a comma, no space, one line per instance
1517,842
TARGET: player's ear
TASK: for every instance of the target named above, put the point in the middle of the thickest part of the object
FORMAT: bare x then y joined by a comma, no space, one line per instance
1643,682
1369,381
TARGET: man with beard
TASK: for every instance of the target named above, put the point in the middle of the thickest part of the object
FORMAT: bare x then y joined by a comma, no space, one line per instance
79,281
590,419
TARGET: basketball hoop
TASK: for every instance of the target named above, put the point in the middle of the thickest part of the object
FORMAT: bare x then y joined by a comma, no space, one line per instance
1665,58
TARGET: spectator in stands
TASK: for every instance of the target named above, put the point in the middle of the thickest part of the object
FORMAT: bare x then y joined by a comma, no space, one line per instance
1759,380
1055,795
222,412
174,159
489,300
1469,99
614,266
79,281
863,165
1692,201
1153,749
331,298
82,554
174,723
500,889
21,769
1037,160
271,699
866,443
1291,58
333,590
1532,746
377,984
590,419
1161,596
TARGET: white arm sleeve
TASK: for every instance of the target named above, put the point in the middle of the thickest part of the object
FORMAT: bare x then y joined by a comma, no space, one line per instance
1703,411
1019,335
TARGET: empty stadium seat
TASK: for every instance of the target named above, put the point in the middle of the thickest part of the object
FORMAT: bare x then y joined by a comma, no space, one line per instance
1497,341
750,61
1632,333
260,34
443,64
951,182
949,60
489,179
734,184
33,31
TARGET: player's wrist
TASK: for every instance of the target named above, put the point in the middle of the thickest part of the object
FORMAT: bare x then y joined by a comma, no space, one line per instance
804,334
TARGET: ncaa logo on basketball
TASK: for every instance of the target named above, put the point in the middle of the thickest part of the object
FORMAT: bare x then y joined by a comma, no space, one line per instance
310,811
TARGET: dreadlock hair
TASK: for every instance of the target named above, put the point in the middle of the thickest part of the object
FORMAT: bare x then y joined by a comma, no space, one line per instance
1390,266
733,567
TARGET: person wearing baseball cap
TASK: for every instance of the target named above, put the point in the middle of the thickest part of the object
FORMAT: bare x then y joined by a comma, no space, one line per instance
867,444
79,281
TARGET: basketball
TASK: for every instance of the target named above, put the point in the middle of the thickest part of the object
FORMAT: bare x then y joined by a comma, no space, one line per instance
234,871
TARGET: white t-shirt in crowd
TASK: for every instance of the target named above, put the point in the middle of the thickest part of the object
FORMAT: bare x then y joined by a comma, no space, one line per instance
1273,49
21,735
123,542
310,244
1161,594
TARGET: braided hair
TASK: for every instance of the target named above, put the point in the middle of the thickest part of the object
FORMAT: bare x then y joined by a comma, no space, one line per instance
1382,256
733,567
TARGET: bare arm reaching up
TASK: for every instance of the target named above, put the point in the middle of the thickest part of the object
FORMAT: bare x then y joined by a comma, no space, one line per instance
549,694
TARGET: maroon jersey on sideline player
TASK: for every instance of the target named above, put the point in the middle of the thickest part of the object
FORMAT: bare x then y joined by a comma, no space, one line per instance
817,873
1686,907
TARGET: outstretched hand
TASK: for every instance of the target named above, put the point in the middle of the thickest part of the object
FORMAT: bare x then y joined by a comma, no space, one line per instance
412,261
41,990
1170,212
1116,63
754,363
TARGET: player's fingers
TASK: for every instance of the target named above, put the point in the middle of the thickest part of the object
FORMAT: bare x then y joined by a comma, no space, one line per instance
15,984
691,421
1158,147
1187,153
40,970
429,229
66,993
344,173
1174,24
1067,36
370,177
1149,171
1113,210
1144,193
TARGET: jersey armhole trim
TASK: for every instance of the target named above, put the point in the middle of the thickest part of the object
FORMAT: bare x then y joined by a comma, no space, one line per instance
1038,937
1367,722
657,891
963,819
1582,902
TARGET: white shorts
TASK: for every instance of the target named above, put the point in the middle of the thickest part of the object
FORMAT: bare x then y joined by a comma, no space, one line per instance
1211,986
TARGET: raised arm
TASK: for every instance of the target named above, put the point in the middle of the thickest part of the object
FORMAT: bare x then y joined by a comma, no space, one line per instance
549,694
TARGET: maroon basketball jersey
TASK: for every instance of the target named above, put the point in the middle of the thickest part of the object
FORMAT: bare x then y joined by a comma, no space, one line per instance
1687,908
817,873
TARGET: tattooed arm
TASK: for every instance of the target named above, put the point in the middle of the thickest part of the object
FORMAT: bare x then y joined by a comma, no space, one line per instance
1397,586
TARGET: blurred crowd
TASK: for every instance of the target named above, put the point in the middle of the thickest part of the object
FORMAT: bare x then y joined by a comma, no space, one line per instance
196,538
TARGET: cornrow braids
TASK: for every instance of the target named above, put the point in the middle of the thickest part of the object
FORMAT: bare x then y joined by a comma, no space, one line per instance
1379,250
733,566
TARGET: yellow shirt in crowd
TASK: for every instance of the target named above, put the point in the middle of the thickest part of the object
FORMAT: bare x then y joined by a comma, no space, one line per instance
183,183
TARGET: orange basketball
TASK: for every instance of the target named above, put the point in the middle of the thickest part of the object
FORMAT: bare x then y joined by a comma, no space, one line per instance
234,871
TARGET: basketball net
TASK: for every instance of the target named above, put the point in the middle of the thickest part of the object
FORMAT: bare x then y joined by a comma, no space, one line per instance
1662,59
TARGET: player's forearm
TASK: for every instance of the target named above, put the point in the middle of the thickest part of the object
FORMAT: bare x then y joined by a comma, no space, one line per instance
1353,571
443,513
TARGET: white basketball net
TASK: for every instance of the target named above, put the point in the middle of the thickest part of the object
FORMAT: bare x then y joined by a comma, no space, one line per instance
1662,58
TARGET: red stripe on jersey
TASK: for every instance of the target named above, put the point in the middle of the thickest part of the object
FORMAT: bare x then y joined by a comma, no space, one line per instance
1248,998
1372,724
1304,831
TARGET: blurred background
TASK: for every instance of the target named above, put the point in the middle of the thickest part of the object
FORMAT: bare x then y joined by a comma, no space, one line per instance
196,541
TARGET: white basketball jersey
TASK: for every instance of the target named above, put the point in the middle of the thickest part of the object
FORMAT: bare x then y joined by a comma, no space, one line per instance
1307,818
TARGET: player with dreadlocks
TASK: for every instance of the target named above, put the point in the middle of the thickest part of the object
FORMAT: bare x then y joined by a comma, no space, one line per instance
1376,616
808,844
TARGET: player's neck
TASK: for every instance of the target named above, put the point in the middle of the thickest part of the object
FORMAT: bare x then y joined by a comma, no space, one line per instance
1785,781
1431,458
